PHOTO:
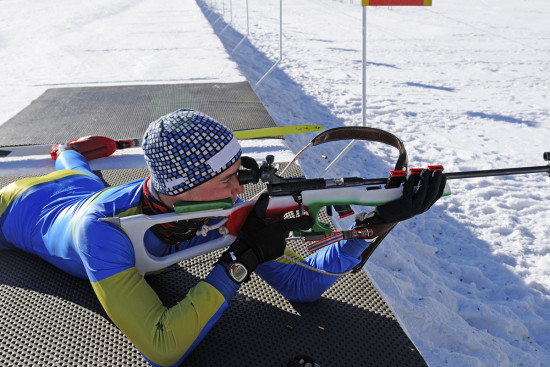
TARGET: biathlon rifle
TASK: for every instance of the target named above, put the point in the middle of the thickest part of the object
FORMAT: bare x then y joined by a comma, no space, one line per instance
295,195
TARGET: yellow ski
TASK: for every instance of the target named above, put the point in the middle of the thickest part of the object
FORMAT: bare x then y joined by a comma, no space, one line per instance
276,131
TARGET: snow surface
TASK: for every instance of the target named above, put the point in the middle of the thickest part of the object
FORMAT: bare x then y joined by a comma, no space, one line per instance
462,83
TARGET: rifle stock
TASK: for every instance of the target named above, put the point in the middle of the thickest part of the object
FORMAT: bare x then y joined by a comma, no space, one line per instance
313,202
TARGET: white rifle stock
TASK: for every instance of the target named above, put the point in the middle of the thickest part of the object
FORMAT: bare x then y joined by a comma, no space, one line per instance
135,226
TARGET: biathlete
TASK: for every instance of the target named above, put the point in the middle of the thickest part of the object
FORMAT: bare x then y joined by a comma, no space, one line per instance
191,157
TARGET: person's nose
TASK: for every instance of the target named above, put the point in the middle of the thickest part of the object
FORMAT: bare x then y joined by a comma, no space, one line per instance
237,189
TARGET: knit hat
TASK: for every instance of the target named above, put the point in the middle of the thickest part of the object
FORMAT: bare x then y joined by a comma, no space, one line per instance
186,148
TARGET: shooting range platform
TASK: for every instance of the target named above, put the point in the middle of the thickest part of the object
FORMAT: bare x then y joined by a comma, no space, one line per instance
50,318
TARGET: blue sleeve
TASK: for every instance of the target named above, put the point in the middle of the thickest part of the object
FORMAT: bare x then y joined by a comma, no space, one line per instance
299,284
73,160
353,248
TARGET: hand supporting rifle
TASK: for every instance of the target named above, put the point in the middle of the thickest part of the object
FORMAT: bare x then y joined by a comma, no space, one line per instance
415,200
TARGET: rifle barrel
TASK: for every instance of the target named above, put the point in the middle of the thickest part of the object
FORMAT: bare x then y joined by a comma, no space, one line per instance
474,174
498,172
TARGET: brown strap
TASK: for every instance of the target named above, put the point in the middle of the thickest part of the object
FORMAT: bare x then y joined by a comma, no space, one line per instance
380,231
365,133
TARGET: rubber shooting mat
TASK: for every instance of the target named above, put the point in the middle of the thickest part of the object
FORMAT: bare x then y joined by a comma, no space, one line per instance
119,112
52,319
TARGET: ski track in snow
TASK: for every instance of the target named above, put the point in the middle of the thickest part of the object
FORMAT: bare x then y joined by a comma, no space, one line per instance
463,84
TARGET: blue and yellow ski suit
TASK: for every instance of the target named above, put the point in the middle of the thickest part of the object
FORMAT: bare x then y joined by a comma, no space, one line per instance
56,217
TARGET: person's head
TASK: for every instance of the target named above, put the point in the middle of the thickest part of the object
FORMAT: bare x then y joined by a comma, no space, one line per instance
192,157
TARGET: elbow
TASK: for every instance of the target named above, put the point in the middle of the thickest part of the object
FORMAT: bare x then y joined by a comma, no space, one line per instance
163,348
165,358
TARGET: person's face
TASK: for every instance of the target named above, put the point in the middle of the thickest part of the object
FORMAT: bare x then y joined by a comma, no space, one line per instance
222,186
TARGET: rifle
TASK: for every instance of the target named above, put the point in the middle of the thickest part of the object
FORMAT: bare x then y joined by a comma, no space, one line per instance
295,194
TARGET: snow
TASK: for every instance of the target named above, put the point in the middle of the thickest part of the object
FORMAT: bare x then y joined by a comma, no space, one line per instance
463,84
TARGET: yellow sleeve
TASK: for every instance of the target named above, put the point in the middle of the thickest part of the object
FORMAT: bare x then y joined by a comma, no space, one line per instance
163,335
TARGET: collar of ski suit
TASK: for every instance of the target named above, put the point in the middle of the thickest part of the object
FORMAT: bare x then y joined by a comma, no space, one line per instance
171,233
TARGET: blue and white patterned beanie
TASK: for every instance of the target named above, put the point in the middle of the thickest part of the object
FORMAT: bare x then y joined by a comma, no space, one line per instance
186,148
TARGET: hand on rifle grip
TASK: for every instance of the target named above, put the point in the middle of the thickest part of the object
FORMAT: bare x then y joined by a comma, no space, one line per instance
261,240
